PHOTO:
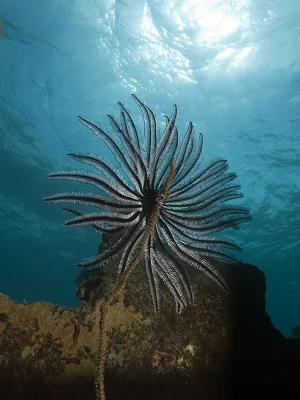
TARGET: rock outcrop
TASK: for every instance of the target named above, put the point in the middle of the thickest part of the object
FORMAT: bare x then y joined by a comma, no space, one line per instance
221,347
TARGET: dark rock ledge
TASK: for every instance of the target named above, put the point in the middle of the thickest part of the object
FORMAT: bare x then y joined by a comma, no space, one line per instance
222,347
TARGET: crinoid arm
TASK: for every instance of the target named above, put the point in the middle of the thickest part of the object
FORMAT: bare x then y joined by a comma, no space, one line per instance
189,215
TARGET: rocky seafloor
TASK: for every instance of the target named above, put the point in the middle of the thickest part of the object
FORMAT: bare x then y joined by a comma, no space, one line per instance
222,347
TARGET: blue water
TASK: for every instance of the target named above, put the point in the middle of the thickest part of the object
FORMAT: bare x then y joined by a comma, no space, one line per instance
232,67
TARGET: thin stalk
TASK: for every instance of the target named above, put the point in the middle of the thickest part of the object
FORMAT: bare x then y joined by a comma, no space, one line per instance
99,381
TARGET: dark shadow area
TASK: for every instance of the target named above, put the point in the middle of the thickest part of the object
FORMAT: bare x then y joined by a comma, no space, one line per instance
264,362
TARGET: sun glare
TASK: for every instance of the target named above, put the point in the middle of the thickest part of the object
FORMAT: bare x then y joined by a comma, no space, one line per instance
214,19
190,24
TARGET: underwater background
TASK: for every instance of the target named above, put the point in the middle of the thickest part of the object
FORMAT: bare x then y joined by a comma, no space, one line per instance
232,67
